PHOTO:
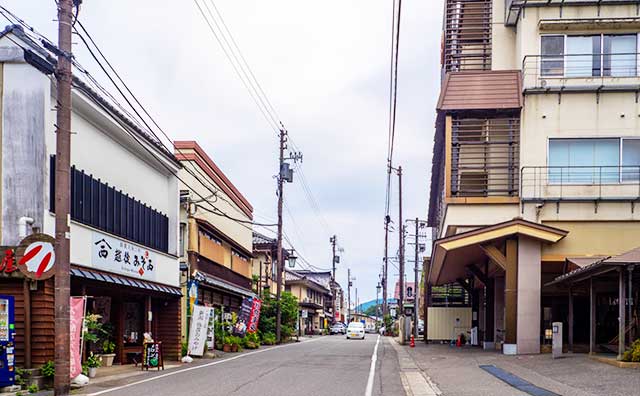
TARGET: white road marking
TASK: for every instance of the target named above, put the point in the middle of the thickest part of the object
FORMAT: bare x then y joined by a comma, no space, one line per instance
197,367
372,369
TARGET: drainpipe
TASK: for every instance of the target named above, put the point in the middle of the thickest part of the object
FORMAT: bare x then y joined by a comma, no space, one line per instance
23,222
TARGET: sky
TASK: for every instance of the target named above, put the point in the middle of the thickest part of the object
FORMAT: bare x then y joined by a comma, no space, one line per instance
325,68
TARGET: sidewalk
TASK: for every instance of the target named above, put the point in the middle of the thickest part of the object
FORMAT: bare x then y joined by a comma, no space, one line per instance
456,371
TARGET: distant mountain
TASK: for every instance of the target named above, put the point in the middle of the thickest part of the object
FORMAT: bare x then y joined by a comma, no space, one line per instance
365,305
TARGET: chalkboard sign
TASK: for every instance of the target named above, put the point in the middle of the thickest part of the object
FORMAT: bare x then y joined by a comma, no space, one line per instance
152,355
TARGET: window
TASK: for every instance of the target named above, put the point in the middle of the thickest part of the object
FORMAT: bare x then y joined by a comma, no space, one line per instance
183,236
594,161
589,56
102,206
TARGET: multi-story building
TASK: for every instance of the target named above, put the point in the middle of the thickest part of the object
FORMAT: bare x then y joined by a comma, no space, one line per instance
124,208
265,268
215,233
313,299
536,165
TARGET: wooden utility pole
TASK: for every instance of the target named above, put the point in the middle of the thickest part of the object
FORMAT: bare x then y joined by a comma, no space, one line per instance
279,266
416,285
385,308
401,243
348,295
61,381
334,289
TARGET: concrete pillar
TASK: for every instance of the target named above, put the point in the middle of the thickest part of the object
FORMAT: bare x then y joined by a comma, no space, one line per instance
511,296
529,297
489,320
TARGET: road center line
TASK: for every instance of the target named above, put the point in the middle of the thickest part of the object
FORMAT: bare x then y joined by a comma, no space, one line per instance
372,369
198,367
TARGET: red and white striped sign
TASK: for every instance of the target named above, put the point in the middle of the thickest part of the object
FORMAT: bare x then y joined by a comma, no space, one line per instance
36,256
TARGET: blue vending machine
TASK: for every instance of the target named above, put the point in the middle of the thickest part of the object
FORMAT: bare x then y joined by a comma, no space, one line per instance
7,336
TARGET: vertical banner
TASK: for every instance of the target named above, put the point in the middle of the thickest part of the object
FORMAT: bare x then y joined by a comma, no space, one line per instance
198,330
192,292
240,328
77,317
211,338
254,318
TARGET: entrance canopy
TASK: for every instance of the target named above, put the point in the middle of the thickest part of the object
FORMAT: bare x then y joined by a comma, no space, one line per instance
452,255
599,267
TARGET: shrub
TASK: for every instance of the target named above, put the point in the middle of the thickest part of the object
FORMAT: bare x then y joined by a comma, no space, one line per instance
48,370
633,353
33,388
268,339
185,348
19,378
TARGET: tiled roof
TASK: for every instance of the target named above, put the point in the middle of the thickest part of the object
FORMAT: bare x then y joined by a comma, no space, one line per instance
481,90
259,239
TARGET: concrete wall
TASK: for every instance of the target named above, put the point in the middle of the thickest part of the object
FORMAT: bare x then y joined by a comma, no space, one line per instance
25,106
529,285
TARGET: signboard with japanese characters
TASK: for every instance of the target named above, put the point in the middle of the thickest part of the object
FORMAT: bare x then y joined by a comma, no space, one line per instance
198,330
122,257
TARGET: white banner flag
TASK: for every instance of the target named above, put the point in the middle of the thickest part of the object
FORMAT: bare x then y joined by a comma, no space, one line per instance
198,330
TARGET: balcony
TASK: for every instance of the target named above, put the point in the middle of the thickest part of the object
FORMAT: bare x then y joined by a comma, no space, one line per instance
580,183
513,8
609,72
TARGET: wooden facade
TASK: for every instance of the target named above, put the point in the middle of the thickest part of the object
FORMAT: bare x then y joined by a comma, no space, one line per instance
38,314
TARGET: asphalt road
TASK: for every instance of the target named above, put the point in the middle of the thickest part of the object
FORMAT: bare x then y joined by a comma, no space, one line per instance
322,366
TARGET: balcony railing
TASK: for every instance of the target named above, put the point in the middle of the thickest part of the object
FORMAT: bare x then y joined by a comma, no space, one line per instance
580,183
513,8
581,72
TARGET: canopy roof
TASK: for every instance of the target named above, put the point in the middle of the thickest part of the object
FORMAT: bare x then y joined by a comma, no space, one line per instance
453,254
599,267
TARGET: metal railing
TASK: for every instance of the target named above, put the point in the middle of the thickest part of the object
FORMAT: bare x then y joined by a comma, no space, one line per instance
578,183
580,71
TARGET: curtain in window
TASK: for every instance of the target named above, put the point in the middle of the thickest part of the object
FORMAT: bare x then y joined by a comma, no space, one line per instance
630,159
552,56
584,161
620,55
583,54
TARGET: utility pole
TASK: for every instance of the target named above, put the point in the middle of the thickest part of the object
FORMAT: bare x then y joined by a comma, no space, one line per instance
386,266
401,242
348,295
61,380
416,287
333,240
356,300
284,174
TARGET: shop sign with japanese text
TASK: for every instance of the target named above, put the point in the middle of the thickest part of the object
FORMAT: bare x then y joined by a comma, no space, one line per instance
122,257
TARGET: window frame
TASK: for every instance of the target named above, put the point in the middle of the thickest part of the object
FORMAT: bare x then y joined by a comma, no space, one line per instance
601,55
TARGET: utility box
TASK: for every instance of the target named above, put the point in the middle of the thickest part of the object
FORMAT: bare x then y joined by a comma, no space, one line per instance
556,348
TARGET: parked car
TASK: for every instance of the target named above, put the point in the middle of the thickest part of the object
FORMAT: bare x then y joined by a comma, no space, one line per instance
355,330
371,329
338,328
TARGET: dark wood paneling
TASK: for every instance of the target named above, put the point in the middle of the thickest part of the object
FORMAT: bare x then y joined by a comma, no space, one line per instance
167,326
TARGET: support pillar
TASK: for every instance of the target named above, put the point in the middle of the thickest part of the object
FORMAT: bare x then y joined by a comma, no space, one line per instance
592,318
622,323
489,318
528,295
511,294
570,320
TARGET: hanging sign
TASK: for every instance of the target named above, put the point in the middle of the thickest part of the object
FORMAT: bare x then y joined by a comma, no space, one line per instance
240,327
115,255
75,332
36,256
152,355
198,330
211,339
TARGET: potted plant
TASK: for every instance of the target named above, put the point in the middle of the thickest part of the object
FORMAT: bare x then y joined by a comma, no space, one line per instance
226,344
235,343
93,362
108,349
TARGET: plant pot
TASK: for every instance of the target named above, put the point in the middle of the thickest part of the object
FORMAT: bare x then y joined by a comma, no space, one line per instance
107,359
92,372
226,348
234,348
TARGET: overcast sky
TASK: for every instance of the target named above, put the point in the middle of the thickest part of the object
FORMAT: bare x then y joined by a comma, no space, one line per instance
325,68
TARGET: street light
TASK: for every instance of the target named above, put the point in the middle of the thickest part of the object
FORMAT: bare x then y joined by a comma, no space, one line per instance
292,258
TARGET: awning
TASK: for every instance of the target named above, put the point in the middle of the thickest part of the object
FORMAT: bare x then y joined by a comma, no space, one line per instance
124,281
481,90
222,285
599,267
452,254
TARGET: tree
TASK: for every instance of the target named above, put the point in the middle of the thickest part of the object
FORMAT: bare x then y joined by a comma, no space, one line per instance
289,306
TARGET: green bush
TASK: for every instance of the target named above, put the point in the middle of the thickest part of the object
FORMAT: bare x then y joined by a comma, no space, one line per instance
251,341
19,377
268,338
48,370
33,388
633,353
289,314
185,348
